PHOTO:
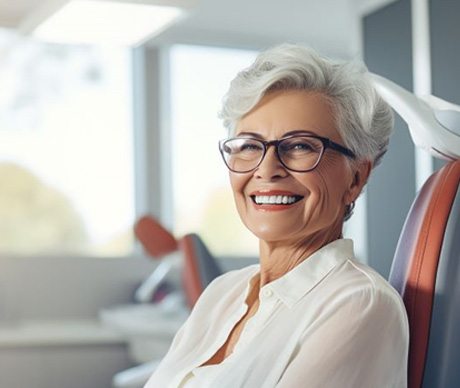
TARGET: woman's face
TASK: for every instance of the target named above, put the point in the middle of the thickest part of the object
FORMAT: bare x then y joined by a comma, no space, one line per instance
323,192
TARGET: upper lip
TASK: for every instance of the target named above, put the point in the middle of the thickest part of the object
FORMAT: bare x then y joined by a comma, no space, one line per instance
274,192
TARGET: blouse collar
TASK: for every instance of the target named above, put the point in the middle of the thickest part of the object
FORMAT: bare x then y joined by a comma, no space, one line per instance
296,283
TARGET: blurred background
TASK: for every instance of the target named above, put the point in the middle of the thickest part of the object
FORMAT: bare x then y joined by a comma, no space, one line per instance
108,111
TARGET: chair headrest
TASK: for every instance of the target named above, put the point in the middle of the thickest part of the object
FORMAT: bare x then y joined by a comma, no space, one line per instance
156,240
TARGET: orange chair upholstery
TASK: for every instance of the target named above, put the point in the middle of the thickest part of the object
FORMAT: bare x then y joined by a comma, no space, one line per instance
200,267
156,240
426,271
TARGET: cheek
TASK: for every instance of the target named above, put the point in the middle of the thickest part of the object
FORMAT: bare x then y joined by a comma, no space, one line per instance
238,183
319,197
335,174
235,182
327,189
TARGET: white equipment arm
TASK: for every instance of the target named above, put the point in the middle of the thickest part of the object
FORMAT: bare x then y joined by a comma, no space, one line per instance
434,124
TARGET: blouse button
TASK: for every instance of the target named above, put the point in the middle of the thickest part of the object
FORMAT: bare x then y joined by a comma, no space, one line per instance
267,293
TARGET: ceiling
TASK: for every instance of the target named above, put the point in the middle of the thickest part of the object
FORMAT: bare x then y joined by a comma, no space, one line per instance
331,26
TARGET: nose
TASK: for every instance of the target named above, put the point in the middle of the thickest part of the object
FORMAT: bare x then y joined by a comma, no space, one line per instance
270,168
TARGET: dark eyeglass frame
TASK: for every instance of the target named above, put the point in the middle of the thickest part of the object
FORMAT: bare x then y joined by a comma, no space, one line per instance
327,143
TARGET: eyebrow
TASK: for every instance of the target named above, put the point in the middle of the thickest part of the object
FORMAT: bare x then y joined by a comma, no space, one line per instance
290,133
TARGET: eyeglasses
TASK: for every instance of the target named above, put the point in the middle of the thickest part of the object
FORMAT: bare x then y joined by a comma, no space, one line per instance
296,153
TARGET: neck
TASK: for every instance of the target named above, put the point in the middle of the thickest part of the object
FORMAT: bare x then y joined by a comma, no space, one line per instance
279,257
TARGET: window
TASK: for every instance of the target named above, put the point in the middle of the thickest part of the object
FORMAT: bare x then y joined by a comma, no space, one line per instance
66,162
203,201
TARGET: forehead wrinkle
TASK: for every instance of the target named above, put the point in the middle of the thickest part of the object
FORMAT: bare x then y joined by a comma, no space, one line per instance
249,134
289,133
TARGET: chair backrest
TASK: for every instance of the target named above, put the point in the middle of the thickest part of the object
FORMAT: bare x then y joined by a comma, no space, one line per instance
156,240
426,272
200,267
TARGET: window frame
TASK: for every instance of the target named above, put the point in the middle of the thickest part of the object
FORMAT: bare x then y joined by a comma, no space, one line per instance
152,166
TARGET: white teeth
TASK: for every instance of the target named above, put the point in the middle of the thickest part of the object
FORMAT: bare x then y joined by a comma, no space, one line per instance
274,199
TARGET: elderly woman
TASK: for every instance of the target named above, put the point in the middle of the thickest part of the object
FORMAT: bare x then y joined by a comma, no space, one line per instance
305,133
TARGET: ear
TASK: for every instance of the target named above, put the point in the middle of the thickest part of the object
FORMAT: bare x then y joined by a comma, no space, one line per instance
360,175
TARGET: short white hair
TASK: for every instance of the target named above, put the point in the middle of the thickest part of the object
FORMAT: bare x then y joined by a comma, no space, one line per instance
364,120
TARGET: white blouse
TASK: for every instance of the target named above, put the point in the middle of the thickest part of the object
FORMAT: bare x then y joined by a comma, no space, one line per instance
330,322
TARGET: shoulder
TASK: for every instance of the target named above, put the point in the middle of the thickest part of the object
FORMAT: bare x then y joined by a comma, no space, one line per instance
362,288
366,279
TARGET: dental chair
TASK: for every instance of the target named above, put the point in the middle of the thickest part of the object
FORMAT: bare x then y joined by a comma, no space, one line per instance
426,266
200,267
188,255
426,271
161,245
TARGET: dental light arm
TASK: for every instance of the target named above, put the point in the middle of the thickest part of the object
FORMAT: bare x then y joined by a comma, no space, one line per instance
160,244
434,124
169,268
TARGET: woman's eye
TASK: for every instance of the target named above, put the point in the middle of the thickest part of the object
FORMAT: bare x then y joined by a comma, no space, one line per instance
302,146
298,146
250,147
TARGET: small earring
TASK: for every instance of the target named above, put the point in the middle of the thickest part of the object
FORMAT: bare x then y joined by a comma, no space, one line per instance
349,210
351,206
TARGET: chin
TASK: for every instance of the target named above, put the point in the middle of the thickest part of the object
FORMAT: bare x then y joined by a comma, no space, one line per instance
271,233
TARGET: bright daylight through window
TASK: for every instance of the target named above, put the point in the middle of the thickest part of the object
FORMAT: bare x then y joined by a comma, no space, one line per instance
66,163
203,201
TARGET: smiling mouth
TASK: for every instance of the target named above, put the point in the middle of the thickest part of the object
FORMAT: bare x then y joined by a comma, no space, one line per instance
275,199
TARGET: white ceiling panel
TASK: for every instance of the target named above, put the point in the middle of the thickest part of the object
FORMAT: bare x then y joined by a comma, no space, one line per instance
329,25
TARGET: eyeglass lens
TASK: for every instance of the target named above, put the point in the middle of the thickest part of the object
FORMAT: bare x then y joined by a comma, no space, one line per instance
296,153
